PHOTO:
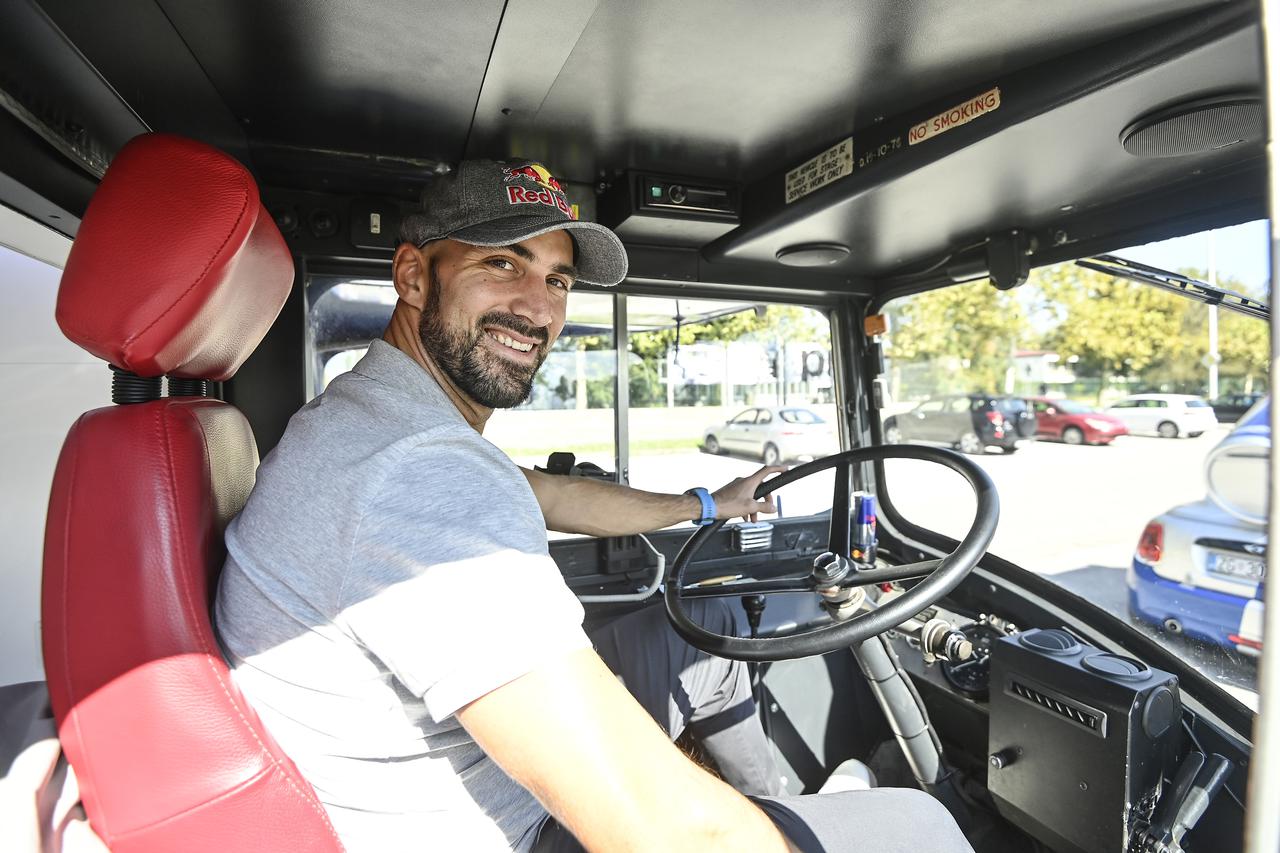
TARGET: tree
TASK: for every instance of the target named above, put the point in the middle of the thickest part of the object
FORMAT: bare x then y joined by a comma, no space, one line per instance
1117,328
969,330
1114,328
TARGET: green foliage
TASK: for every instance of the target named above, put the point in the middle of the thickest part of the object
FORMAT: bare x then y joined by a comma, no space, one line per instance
970,331
1121,328
962,338
787,321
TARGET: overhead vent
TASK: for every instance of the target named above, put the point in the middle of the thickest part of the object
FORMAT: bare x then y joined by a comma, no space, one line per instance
1196,127
1081,715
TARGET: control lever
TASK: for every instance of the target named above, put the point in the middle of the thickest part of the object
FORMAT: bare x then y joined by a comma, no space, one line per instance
939,640
1199,779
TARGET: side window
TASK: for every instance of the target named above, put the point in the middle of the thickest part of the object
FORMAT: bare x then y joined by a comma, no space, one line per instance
932,406
691,366
571,407
1123,404
960,404
694,363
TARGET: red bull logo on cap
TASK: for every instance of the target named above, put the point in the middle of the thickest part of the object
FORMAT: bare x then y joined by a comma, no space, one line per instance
551,193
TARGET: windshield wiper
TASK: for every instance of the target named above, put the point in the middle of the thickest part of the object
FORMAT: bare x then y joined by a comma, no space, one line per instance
1192,288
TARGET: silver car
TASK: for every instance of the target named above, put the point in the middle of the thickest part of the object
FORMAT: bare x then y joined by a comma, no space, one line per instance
773,434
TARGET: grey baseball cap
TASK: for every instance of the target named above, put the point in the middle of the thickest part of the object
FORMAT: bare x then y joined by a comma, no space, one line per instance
490,203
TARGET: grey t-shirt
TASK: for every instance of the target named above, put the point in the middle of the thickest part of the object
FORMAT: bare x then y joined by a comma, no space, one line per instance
391,566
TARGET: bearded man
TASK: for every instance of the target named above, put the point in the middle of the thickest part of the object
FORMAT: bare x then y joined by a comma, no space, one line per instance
391,610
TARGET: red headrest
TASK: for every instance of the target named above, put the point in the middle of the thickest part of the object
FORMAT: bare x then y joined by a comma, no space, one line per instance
178,268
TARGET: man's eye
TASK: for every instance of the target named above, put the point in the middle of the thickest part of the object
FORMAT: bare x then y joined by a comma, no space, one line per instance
501,263
559,283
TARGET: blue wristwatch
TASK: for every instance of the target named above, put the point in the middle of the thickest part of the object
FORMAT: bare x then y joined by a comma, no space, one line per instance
708,506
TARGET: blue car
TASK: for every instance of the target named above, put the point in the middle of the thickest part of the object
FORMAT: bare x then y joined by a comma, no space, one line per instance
1199,568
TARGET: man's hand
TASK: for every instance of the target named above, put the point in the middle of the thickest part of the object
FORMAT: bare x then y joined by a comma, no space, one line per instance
737,498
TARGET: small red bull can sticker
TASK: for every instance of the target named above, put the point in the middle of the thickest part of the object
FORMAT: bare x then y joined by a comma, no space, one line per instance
549,191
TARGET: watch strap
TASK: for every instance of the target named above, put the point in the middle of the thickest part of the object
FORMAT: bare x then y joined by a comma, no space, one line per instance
708,503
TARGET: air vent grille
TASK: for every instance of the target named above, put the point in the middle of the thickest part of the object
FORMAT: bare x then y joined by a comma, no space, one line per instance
753,536
1081,715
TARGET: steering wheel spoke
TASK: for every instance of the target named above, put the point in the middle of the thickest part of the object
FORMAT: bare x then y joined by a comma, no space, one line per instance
940,577
838,538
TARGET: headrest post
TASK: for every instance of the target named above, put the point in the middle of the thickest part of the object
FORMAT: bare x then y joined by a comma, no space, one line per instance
129,387
179,387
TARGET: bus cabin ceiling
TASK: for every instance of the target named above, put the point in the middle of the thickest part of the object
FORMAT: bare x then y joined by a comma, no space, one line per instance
873,143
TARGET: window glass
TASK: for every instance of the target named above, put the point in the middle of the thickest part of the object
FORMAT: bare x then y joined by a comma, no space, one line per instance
572,407
695,363
343,316
1136,514
800,416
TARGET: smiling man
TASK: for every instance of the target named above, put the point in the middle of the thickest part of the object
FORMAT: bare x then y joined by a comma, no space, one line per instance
392,612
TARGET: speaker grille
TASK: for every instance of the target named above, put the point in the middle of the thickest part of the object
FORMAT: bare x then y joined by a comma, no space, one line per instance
1195,128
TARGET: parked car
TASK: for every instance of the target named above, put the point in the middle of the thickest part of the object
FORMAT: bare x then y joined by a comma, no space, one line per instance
1166,415
1199,568
1228,409
1074,423
970,423
773,433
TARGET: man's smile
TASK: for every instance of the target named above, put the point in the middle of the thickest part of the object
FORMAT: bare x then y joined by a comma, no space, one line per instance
513,345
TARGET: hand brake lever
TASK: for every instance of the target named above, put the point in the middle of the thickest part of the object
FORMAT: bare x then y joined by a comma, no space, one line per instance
1199,779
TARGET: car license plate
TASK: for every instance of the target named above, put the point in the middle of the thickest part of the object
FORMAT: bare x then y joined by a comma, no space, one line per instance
1243,568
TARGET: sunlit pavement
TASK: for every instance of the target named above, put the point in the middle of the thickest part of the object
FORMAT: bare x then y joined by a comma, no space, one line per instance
1072,512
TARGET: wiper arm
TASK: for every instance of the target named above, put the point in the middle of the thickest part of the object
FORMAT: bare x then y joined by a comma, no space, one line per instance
1192,288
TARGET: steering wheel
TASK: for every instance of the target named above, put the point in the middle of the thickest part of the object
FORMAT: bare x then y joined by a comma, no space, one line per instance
944,575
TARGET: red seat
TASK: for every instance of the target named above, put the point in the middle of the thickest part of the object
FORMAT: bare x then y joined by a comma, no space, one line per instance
179,270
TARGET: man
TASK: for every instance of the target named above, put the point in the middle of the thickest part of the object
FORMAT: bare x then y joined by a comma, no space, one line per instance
392,612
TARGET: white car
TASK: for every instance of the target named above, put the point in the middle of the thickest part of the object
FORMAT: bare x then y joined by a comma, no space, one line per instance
773,433
1166,415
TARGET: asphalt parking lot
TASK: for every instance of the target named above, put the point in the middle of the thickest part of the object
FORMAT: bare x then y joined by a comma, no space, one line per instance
1070,512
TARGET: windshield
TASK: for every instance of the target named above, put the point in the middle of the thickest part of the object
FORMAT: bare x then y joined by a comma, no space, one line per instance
1146,511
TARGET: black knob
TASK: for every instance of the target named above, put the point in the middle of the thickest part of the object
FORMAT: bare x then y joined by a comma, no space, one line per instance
1003,758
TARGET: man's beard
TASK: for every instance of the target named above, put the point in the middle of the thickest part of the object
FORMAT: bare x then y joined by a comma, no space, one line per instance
485,377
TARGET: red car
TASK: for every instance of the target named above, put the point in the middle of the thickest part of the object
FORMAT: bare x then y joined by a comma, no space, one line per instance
1074,423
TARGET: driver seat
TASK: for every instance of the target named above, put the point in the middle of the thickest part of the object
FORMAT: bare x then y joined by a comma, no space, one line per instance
178,270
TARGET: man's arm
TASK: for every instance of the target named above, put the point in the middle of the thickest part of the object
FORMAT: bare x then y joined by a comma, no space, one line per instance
571,734
596,508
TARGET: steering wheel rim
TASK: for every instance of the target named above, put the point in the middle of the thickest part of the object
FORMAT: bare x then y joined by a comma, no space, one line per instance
944,575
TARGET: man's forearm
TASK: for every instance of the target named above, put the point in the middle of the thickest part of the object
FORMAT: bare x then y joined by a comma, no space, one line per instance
596,508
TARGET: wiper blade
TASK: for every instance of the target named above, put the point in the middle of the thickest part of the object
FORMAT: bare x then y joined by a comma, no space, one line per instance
1192,288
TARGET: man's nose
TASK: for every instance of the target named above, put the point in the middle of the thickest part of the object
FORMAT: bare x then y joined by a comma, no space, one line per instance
532,300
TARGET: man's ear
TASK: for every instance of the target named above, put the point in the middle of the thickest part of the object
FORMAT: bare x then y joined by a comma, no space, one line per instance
409,274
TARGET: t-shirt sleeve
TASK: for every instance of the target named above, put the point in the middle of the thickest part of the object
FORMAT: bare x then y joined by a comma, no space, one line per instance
450,583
